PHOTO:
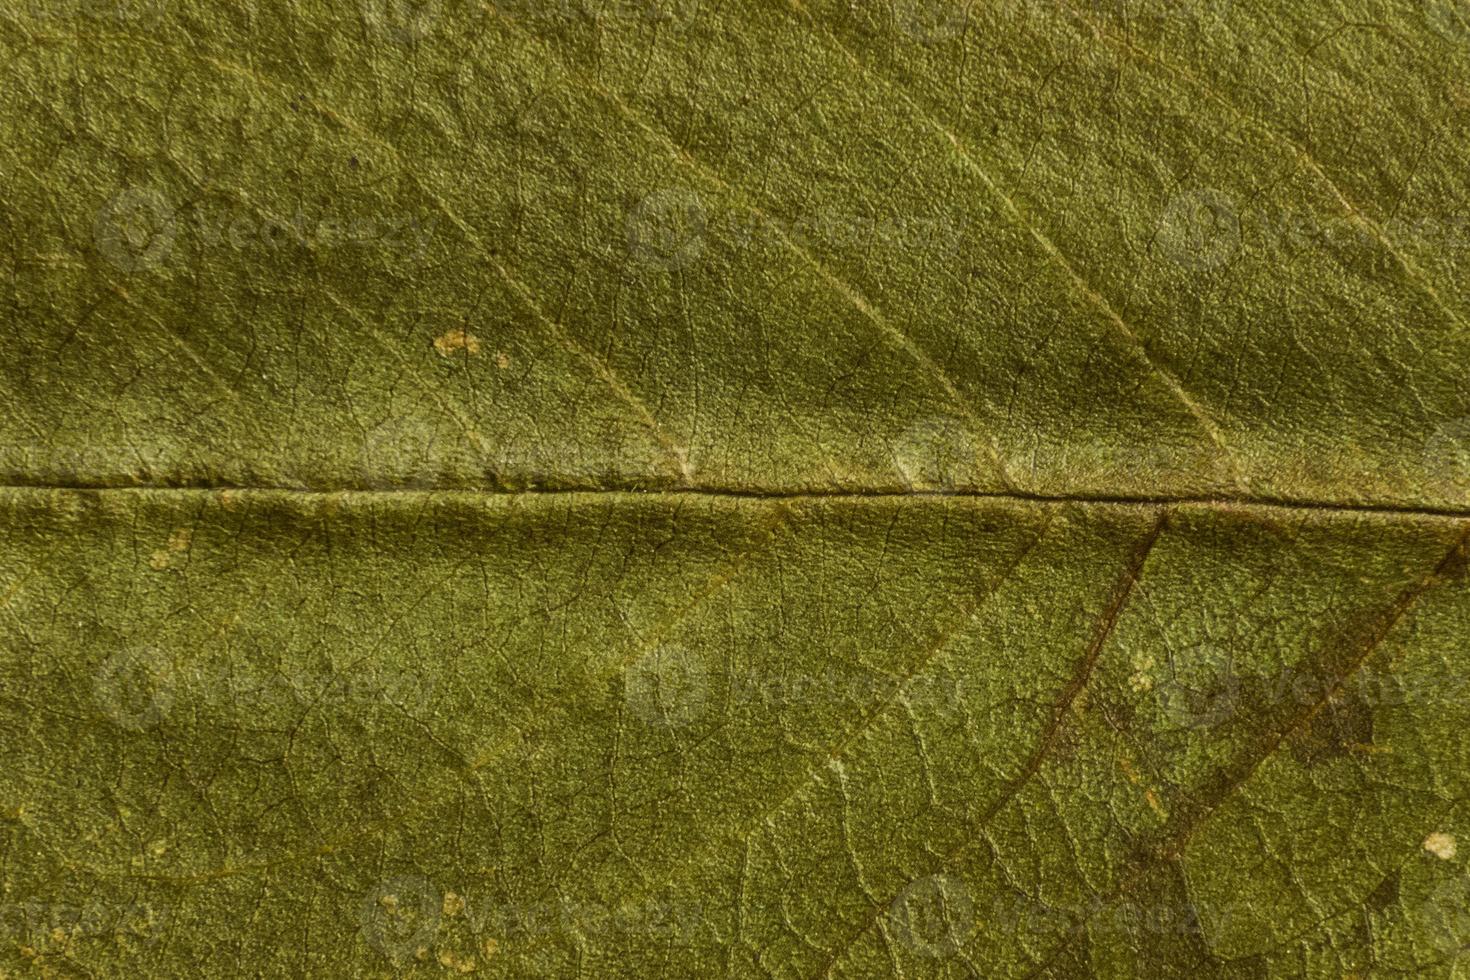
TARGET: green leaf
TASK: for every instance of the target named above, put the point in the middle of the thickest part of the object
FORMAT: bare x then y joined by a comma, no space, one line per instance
682,488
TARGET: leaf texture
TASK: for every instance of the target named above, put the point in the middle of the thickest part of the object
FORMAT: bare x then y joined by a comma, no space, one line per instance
700,488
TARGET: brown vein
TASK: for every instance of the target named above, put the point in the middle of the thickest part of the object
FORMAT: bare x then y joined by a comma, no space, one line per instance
1122,590
1188,821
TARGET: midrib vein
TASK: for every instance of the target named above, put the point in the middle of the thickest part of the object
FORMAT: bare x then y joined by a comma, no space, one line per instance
14,484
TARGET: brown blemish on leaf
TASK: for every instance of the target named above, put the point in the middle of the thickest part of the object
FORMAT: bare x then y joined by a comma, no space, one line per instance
1153,802
502,360
457,339
453,904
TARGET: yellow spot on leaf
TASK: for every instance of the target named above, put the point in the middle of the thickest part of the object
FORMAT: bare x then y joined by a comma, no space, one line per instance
453,961
457,339
453,904
178,543
1142,680
1440,845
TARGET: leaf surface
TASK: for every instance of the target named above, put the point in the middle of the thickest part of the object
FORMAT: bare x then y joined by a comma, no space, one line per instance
694,488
